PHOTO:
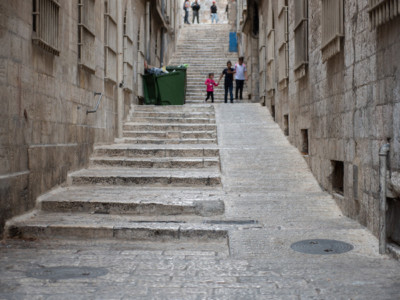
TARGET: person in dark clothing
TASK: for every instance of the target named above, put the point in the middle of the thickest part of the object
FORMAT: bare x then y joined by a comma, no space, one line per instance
186,6
195,8
214,15
228,85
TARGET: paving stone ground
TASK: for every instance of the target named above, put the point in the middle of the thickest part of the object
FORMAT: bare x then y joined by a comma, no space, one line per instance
264,179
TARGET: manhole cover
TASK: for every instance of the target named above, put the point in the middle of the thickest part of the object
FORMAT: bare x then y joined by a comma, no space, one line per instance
321,247
65,272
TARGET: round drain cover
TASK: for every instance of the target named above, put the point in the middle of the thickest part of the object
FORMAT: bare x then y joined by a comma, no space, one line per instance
66,272
322,247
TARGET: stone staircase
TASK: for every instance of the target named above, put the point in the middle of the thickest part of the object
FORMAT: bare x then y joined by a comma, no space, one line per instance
156,183
205,48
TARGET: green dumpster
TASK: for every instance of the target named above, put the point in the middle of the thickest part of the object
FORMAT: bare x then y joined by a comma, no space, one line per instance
150,89
181,68
171,88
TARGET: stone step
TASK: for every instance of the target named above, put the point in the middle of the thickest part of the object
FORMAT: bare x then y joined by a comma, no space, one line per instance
128,177
133,201
171,134
161,141
40,225
169,120
130,126
149,150
174,108
146,114
156,162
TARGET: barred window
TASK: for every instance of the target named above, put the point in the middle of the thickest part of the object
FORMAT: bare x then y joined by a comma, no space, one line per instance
332,27
86,35
261,56
46,25
141,57
283,56
128,48
110,39
301,36
383,11
270,50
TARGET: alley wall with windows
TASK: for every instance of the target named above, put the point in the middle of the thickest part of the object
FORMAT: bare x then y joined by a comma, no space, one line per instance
329,72
54,56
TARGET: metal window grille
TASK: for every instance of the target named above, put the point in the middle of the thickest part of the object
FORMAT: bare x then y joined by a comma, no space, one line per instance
301,33
332,27
383,11
270,50
141,58
86,35
262,56
46,25
128,49
110,39
283,57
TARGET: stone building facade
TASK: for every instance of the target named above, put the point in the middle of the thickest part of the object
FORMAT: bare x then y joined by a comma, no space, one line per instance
54,56
329,72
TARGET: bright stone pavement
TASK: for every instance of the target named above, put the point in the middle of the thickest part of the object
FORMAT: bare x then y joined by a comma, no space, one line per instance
264,179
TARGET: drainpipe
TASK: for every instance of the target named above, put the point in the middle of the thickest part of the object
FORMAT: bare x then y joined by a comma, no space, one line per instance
383,153
120,67
148,31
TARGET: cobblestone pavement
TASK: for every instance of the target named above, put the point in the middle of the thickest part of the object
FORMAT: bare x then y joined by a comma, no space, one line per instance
271,201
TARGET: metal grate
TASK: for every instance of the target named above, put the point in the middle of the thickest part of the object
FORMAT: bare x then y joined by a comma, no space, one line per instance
383,11
46,25
332,27
86,34
128,49
283,55
301,33
321,247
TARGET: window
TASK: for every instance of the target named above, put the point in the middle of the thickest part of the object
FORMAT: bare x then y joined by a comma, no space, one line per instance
128,49
261,57
338,177
45,25
382,11
283,56
304,141
270,50
141,57
110,40
332,28
300,36
86,35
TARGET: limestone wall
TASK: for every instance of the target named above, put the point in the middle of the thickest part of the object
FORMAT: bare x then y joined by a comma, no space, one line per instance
44,129
349,105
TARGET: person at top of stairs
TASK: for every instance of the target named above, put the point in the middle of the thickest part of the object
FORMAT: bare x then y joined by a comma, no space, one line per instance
214,14
186,6
195,8
210,83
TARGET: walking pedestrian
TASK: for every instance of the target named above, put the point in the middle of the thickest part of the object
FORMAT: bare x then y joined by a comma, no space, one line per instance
228,84
186,6
214,14
195,8
210,83
240,76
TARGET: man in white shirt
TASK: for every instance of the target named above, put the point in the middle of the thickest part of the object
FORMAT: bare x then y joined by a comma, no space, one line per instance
241,76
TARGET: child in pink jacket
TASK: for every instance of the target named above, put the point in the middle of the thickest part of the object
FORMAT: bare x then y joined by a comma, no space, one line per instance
210,83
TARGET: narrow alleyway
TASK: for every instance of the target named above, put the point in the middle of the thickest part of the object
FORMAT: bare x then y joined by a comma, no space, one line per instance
195,202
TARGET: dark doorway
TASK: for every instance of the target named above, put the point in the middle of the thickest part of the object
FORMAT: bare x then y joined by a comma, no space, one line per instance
338,177
286,124
304,141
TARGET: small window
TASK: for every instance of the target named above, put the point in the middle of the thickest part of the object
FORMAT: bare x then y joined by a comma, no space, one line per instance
382,11
283,50
332,27
301,37
286,124
86,35
270,57
338,177
110,40
45,25
304,141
